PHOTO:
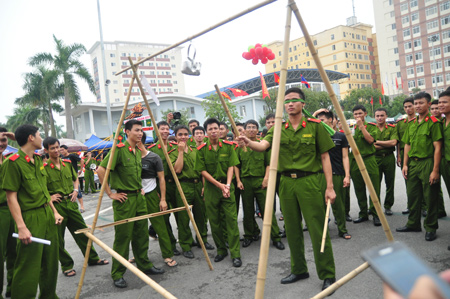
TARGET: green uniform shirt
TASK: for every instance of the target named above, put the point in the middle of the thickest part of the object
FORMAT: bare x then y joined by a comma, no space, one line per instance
364,147
2,192
389,133
126,168
420,136
60,180
401,127
253,164
446,145
157,149
27,179
188,171
216,162
301,149
87,166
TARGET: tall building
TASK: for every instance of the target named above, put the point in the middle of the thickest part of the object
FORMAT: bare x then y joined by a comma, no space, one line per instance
162,72
414,43
346,49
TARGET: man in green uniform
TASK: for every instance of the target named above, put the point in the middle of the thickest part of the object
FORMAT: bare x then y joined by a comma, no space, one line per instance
183,159
192,124
199,136
125,178
385,143
408,107
216,160
254,175
89,166
346,189
164,130
304,147
423,143
365,137
62,184
25,182
7,242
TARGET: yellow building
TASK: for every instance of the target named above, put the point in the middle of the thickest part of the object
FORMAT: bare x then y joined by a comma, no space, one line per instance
346,49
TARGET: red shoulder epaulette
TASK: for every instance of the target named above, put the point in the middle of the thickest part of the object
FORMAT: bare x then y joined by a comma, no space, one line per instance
45,164
121,145
314,120
151,146
228,142
434,119
171,151
201,146
399,120
412,119
67,160
342,131
174,142
14,157
373,124
391,125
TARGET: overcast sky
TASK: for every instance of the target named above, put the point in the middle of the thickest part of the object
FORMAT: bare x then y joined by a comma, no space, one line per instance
26,28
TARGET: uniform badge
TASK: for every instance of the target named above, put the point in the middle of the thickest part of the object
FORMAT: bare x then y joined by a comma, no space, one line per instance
304,124
130,149
27,158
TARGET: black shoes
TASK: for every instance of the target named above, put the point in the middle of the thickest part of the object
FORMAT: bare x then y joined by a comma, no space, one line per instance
153,270
207,246
327,283
294,277
220,257
305,228
278,245
388,212
282,233
406,229
360,219
176,252
247,242
376,221
237,262
120,283
188,254
152,232
256,237
430,236
442,215
424,213
348,218
405,212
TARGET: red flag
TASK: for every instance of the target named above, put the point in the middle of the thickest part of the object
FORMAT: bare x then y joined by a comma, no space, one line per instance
396,82
276,78
265,92
238,92
225,95
381,102
371,100
382,89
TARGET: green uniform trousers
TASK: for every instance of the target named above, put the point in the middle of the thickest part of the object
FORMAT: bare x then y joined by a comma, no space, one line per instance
73,221
7,248
339,205
445,172
252,190
386,165
159,224
216,206
441,207
347,199
360,186
305,196
418,190
171,188
89,181
134,232
193,193
37,264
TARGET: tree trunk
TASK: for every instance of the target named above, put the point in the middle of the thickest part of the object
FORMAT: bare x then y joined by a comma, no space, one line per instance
52,121
68,111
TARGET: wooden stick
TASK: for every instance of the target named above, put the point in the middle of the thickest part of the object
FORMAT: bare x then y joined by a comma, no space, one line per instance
267,220
325,226
227,111
102,190
82,231
248,10
348,133
131,267
341,282
172,170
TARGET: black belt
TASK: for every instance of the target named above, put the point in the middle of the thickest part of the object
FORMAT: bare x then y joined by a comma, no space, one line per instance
295,174
43,206
4,204
419,159
169,180
193,181
384,155
128,191
63,197
367,156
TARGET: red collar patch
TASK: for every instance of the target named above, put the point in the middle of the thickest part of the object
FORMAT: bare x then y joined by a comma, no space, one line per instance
210,147
121,145
304,124
130,149
159,146
45,164
52,166
286,125
220,144
14,157
63,164
426,118
27,159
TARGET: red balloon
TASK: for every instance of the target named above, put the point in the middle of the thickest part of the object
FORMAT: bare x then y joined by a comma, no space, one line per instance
269,51
265,51
264,60
271,56
247,55
257,45
252,52
255,61
258,51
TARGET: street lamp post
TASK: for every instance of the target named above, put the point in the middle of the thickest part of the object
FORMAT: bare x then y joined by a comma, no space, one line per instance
433,39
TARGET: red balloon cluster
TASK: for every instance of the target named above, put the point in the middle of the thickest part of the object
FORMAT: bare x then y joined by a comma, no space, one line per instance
258,53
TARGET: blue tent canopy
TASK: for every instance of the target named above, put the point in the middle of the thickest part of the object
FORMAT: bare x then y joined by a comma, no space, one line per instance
94,143
9,150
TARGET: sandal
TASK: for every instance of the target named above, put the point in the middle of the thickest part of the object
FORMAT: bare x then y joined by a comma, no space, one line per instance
132,260
346,236
101,262
281,218
70,273
170,262
81,210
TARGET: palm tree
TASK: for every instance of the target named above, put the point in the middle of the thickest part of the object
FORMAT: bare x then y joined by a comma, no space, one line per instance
69,67
26,114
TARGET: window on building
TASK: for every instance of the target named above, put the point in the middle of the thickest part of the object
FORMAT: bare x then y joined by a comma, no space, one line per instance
242,111
290,49
393,26
124,54
290,59
403,6
361,67
274,65
397,63
445,6
430,10
414,16
437,79
417,43
436,38
308,63
447,63
279,53
394,38
405,20
433,24
360,56
413,3
367,76
416,29
437,51
445,20
367,66
408,58
411,83
419,69
315,43
307,54
418,55
335,67
333,47
406,32
446,48
410,71
334,57
437,64
112,55
446,34
421,82
113,64
124,63
408,45
332,37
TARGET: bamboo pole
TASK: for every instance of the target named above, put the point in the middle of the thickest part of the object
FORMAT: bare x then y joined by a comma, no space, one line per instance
227,111
267,220
348,133
172,170
82,231
131,267
244,12
325,226
341,282
102,190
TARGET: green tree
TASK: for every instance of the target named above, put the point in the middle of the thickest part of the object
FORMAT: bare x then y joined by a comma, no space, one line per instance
66,63
185,116
213,108
23,115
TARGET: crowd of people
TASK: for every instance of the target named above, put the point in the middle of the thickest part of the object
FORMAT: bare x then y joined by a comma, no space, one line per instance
315,165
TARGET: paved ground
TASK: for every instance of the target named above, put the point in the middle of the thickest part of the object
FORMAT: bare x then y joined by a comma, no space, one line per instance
192,278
